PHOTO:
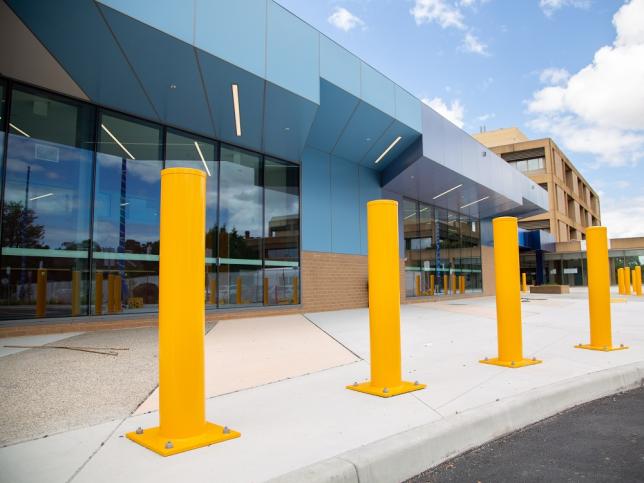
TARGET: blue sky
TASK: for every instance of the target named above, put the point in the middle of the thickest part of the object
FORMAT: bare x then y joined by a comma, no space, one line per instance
572,70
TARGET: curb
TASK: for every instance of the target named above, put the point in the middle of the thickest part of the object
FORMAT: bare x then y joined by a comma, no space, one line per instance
407,454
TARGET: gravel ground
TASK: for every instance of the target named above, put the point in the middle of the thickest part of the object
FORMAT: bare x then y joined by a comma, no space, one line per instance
46,391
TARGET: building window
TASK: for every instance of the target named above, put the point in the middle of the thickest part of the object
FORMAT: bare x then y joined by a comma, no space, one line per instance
46,217
529,165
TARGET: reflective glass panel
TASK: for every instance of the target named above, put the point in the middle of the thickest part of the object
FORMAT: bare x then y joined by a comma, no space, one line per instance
427,247
412,252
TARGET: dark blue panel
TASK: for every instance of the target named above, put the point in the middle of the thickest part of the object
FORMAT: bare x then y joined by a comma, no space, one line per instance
219,76
345,206
316,201
336,107
287,122
365,127
77,36
408,136
167,68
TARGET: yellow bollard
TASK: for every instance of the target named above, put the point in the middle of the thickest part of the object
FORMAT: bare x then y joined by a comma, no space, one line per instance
384,303
524,283
627,281
41,292
296,294
76,279
118,306
182,408
446,284
620,280
110,293
213,291
598,291
265,287
637,282
453,283
98,293
417,285
238,291
508,295
431,284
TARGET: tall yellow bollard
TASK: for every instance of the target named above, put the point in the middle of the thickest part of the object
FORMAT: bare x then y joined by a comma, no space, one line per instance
620,281
461,284
417,285
110,293
98,293
118,305
637,283
76,279
627,281
508,295
446,284
598,291
182,408
213,291
431,284
524,283
41,292
384,303
453,283
296,294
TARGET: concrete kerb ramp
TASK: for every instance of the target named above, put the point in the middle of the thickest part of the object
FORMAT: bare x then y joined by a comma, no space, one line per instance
411,452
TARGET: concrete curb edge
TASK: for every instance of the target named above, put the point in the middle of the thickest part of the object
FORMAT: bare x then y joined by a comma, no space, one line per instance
406,454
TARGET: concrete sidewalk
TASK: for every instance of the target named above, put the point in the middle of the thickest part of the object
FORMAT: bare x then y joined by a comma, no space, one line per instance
293,423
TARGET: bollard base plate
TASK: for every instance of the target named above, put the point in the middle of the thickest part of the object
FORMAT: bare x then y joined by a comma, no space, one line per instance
152,440
511,364
403,388
602,348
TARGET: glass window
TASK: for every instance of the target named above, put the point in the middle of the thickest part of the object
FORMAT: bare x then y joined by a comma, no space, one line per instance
412,252
240,228
126,215
46,215
188,151
281,233
522,166
3,106
427,249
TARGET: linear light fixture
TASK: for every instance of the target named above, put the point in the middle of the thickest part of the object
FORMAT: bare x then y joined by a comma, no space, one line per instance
202,158
448,191
109,133
474,202
409,216
41,196
238,130
19,130
384,153
125,204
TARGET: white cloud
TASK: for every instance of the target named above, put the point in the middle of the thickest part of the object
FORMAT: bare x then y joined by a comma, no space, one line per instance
453,113
622,216
486,116
345,20
472,44
600,109
550,6
553,76
442,12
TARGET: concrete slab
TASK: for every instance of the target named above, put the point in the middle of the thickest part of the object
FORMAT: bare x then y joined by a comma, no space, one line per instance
31,340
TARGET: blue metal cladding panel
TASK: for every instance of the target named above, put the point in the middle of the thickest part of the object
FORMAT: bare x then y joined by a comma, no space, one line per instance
174,17
408,109
219,76
339,66
168,71
336,107
292,53
96,63
369,190
316,201
366,126
377,90
345,206
287,121
234,31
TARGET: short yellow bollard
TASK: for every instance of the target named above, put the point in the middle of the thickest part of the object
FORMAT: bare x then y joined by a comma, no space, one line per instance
417,285
98,293
627,281
182,408
461,284
110,293
620,281
238,291
431,284
118,304
41,292
213,291
76,281
446,284
524,283
637,282
296,294
598,291
453,283
508,296
384,303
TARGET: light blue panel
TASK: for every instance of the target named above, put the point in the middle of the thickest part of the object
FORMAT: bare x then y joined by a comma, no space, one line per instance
369,190
234,31
395,129
433,142
408,109
345,206
339,66
287,121
173,17
316,201
336,107
168,71
76,35
292,53
377,90
219,76
366,126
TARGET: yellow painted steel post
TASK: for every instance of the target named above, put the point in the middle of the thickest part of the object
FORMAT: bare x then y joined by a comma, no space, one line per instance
431,284
213,291
76,279
627,280
182,397
524,283
599,291
446,284
620,280
417,285
265,287
637,284
453,283
41,292
296,290
238,291
461,284
110,293
118,304
508,295
98,293
384,303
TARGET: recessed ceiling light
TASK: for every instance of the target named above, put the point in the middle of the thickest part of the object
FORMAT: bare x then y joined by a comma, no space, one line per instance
109,133
384,153
238,129
202,158
41,196
474,202
445,192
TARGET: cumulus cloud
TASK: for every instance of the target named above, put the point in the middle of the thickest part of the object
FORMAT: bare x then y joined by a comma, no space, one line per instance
600,109
620,216
472,44
453,113
345,20
551,6
553,75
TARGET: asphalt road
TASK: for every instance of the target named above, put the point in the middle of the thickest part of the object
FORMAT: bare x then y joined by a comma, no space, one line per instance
601,441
